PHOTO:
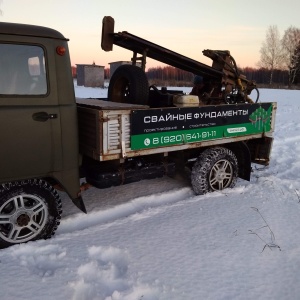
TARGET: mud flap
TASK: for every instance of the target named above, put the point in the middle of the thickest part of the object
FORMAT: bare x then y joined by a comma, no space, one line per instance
261,150
79,203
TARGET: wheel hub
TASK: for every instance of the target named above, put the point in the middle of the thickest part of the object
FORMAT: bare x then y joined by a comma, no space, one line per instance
23,220
220,176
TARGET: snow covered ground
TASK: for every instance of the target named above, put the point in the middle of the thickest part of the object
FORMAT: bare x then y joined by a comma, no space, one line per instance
156,240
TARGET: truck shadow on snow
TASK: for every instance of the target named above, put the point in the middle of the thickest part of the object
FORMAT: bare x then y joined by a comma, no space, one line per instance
108,198
113,204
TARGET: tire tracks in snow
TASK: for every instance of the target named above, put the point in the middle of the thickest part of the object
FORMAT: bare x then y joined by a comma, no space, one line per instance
80,222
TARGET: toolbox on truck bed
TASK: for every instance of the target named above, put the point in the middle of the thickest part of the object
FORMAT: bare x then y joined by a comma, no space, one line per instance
104,128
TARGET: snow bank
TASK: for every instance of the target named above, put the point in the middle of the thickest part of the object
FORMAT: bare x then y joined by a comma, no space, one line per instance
156,240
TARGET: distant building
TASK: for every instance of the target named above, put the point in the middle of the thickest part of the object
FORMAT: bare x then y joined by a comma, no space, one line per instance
114,65
90,75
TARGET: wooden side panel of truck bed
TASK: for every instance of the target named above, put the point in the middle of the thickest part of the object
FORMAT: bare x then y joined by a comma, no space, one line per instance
110,130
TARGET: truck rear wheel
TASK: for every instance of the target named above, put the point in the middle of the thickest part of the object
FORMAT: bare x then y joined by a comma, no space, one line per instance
129,84
215,169
29,210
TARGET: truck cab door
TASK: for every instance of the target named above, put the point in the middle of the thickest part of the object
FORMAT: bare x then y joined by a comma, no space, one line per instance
29,115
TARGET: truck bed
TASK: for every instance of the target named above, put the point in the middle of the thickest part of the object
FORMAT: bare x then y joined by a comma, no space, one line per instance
110,130
106,105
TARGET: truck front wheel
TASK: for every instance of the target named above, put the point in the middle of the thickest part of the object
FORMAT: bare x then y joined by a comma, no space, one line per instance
215,169
29,210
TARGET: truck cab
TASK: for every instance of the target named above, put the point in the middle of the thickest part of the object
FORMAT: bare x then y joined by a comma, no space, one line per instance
38,117
38,130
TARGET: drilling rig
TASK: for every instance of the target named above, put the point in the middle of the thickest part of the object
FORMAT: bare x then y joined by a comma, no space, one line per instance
224,82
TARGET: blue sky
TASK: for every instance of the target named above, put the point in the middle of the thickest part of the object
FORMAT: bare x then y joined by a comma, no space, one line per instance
184,26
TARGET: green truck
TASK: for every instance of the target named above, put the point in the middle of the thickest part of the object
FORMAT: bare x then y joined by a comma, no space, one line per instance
50,139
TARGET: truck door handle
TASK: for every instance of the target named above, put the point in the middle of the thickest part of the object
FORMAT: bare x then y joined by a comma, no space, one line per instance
43,116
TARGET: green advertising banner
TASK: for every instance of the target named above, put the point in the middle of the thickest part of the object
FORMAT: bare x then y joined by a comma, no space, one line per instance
160,128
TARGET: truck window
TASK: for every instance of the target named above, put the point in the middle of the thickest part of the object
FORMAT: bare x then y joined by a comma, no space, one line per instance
22,70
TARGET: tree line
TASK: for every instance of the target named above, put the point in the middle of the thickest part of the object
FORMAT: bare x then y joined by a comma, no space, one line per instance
168,76
279,63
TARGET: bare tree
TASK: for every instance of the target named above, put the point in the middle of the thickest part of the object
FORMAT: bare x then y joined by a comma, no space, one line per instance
290,42
295,65
271,52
